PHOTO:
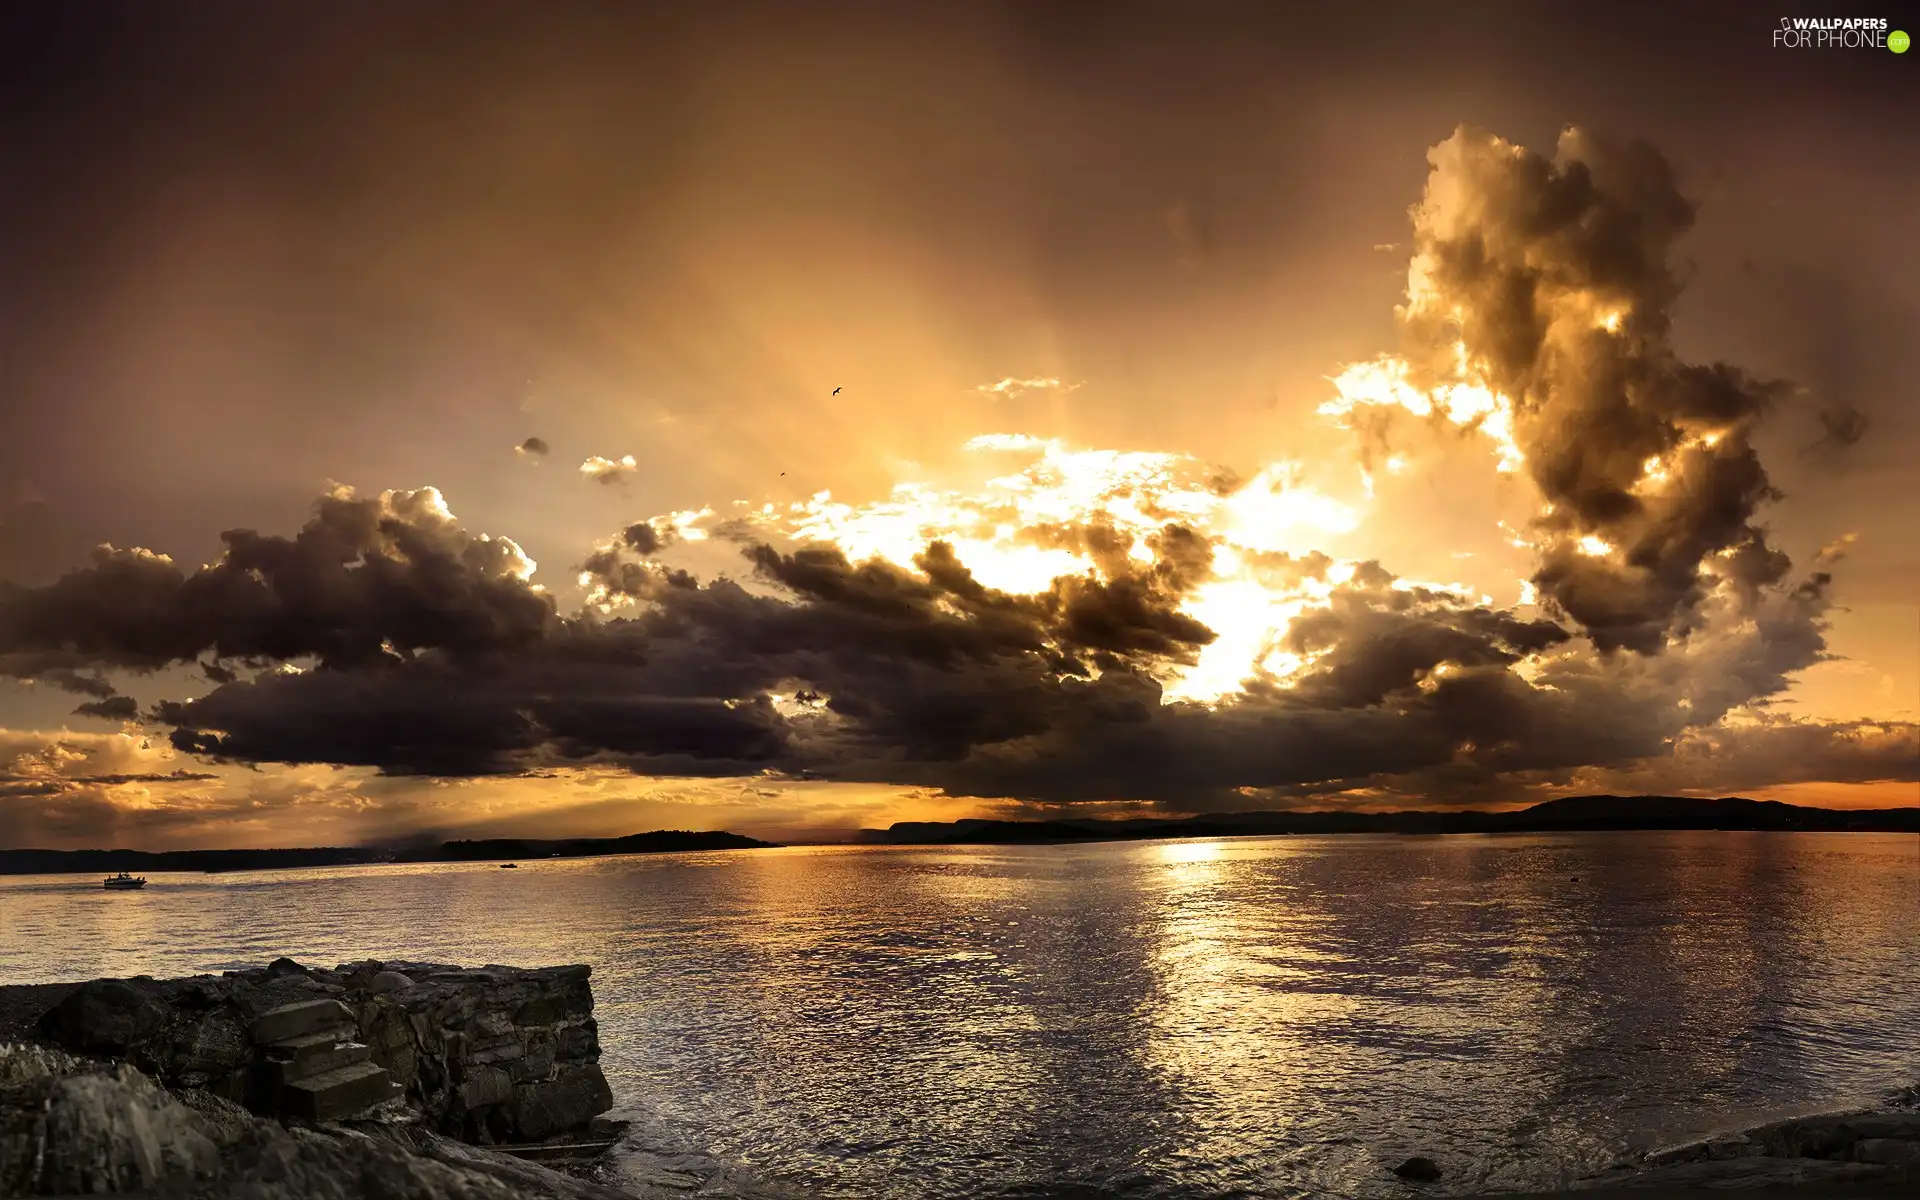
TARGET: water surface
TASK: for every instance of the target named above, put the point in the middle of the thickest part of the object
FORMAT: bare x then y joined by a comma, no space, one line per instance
1253,1017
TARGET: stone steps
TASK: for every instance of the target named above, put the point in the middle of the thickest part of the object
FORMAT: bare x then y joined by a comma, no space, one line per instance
339,1093
291,1021
290,1067
312,1066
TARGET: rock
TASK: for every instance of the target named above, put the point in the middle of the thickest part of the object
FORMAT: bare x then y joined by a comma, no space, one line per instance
388,981
486,1086
342,1092
295,1020
70,1127
107,1016
1418,1169
1757,1172
210,1052
1891,1152
223,1121
487,1052
1832,1135
574,1096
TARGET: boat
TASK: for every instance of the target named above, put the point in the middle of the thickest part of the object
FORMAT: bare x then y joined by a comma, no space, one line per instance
123,882
509,866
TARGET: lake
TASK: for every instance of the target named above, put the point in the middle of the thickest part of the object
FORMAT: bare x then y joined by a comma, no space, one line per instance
1280,1016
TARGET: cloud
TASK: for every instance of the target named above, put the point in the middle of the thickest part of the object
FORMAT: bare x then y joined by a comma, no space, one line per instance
609,470
78,789
1009,387
1548,282
1767,751
1100,625
1842,425
73,681
114,708
367,580
533,447
927,678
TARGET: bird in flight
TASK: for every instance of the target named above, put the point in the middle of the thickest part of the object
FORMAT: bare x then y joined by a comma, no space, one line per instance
836,391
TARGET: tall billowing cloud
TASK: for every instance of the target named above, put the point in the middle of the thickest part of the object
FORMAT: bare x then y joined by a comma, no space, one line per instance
1539,301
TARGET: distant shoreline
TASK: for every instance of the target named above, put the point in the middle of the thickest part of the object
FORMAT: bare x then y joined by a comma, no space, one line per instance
1573,814
1576,814
79,862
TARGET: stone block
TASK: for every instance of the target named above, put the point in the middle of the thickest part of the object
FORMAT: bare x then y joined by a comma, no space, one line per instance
485,1086
297,1019
491,1024
316,1054
500,1050
337,1094
537,1063
573,1097
580,1042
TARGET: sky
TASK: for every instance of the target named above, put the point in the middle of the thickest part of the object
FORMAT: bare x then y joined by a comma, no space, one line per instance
578,419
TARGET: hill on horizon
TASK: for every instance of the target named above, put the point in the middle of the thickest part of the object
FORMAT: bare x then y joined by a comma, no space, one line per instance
1568,813
659,841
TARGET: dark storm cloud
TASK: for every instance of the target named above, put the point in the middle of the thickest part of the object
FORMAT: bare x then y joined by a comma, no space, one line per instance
114,708
645,540
1842,425
73,681
368,577
13,784
925,677
1525,259
1372,643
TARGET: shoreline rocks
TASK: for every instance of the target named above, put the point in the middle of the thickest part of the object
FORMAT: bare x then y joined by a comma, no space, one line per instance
486,1055
1877,1147
373,1079
72,1126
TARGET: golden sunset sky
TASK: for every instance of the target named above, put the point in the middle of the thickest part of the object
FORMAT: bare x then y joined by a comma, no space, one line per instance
576,419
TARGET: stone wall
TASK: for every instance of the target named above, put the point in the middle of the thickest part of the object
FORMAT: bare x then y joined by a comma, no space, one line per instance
490,1054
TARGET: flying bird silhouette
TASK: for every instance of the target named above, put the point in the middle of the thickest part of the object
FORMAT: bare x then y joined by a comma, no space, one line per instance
836,391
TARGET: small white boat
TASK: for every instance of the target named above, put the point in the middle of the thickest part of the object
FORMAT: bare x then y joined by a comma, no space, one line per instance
123,881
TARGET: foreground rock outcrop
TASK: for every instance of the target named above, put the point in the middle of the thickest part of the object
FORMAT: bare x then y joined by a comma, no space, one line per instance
1864,1148
491,1054
72,1126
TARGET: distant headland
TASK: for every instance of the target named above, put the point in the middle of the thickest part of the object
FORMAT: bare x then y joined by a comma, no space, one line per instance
1571,814
660,841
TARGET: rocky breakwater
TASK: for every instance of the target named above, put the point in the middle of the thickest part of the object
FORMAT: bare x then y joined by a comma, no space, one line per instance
486,1055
